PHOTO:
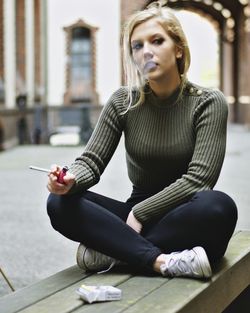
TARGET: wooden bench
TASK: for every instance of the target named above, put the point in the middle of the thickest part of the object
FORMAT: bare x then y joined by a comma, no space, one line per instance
141,294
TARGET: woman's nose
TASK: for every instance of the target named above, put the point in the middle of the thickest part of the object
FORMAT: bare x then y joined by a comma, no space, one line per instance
147,53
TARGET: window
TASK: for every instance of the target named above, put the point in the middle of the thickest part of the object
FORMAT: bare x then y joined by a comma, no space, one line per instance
81,66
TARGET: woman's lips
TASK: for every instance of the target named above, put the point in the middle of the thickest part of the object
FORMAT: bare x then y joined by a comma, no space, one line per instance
149,66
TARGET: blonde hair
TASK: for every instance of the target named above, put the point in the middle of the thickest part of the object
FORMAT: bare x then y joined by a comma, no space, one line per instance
172,26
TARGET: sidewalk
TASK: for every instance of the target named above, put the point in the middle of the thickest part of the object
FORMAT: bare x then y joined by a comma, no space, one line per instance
31,250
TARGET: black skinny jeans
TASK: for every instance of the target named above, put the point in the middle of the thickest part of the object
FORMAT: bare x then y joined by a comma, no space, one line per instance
208,219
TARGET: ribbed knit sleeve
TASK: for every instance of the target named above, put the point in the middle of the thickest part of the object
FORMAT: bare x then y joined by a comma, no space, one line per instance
90,165
209,120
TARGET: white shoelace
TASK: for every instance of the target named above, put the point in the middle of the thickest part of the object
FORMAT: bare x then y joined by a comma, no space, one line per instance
180,263
108,269
99,259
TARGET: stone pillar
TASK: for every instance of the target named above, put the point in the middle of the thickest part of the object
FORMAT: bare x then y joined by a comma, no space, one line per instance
227,74
244,67
30,53
9,54
44,49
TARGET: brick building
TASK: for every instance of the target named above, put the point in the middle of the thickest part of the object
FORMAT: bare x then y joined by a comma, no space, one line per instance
22,62
22,50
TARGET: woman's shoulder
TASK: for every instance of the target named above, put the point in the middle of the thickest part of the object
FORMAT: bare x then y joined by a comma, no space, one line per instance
195,90
121,97
205,100
118,95
117,99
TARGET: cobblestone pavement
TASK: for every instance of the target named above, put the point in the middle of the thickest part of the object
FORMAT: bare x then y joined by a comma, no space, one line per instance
31,250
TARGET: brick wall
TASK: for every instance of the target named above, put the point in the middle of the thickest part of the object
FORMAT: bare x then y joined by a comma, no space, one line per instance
129,7
20,46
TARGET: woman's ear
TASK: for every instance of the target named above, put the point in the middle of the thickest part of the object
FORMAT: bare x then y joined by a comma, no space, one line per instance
178,53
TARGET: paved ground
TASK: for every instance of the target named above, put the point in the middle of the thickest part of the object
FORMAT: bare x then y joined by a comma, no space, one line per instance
31,250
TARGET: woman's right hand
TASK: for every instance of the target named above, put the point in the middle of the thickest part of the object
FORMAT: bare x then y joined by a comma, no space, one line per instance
54,186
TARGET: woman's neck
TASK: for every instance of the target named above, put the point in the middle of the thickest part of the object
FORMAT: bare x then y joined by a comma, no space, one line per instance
164,89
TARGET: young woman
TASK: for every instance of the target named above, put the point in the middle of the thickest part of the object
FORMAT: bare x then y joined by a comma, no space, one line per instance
174,223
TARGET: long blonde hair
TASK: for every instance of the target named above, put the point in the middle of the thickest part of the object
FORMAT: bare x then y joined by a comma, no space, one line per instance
172,26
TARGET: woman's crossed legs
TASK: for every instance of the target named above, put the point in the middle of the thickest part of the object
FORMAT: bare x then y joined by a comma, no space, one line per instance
208,219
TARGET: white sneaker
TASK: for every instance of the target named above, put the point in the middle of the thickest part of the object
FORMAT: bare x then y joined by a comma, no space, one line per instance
91,260
188,263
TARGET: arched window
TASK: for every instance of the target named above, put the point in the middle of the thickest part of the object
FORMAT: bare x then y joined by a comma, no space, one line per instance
80,71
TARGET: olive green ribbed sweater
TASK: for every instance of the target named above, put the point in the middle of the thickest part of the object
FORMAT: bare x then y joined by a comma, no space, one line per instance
174,147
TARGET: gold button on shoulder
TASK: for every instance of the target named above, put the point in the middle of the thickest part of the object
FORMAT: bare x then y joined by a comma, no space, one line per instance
199,92
191,89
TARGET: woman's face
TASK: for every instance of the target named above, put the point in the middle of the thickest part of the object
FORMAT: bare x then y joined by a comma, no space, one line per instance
154,52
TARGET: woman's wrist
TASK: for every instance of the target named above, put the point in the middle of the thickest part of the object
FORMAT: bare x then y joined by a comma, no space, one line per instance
133,222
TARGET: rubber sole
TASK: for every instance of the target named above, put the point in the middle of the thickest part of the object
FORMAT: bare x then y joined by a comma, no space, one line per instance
204,262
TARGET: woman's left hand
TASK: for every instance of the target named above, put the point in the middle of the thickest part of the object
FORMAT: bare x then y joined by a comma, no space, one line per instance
133,222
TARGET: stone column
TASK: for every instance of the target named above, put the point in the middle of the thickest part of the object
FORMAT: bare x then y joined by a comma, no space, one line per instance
244,94
44,52
227,74
30,53
9,54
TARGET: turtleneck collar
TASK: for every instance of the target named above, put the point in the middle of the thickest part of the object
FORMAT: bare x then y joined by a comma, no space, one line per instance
166,102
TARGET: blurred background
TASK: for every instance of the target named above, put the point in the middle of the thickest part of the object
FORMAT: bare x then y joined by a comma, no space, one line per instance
60,60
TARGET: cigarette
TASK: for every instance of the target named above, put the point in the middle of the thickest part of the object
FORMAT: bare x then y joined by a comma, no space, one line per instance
36,168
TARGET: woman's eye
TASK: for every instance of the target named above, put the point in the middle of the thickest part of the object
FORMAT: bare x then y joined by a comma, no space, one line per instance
158,41
136,46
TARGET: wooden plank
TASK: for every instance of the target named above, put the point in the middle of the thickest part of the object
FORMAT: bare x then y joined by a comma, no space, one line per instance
184,295
20,299
169,297
133,290
67,300
232,277
140,294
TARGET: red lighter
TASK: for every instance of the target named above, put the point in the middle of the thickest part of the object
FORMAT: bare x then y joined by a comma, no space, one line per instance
62,174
